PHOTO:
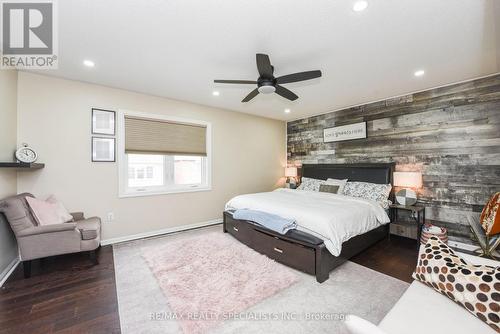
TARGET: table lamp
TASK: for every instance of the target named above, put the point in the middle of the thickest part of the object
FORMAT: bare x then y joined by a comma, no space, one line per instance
291,174
410,181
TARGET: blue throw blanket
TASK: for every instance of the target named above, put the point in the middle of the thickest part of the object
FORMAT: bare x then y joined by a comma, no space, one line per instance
272,222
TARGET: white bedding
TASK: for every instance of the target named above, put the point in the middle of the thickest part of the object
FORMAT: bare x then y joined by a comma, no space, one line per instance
331,217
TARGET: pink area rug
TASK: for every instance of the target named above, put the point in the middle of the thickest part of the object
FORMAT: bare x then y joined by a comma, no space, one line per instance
206,278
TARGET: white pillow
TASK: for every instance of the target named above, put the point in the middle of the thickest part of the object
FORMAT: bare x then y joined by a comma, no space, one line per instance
48,212
337,182
357,325
61,209
310,184
373,191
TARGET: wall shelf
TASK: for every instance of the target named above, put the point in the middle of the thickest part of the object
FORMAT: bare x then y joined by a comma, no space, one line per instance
21,165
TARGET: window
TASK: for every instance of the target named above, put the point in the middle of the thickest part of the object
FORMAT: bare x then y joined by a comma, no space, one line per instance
158,172
149,172
145,170
159,155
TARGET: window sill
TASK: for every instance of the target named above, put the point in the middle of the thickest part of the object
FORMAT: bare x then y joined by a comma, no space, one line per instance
162,192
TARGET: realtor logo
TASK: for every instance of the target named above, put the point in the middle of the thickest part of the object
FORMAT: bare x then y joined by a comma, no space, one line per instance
29,39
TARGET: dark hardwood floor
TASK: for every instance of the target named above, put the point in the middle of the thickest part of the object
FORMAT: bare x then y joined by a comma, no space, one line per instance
67,294
396,257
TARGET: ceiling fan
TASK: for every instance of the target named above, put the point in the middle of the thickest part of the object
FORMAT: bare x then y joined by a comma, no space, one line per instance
267,83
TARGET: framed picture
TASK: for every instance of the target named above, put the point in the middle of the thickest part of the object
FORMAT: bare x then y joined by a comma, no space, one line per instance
103,122
103,149
345,132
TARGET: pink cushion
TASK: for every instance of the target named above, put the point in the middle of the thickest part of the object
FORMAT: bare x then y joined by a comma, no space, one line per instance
48,212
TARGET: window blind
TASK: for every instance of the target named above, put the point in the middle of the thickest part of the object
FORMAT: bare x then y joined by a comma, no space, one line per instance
150,136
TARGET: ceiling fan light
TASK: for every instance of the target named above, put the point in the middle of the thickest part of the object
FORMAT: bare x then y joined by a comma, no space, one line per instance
267,89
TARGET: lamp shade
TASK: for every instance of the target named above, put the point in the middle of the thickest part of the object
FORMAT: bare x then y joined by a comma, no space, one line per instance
408,179
291,171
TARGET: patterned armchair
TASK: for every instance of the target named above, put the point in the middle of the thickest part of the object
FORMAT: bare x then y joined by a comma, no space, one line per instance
485,228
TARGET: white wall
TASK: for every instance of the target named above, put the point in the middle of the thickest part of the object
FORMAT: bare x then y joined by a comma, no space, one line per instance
8,186
54,118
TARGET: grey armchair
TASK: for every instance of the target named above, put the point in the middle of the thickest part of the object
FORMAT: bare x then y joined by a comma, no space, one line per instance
35,241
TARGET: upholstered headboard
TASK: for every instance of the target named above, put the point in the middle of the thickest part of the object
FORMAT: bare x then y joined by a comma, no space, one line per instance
375,173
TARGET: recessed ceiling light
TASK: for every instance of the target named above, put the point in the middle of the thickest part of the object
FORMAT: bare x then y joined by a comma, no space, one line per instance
419,73
215,93
88,63
287,110
360,6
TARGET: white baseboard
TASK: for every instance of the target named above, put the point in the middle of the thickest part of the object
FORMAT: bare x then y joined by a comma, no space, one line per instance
160,232
8,271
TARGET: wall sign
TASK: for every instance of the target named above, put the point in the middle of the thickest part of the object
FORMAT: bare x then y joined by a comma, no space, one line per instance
345,132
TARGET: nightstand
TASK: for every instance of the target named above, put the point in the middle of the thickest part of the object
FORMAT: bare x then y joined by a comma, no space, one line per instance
407,228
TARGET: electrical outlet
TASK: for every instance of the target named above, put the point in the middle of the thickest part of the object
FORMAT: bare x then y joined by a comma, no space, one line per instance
111,216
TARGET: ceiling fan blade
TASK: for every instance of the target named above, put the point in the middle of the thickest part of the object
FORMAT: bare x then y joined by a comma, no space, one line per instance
298,77
287,94
250,96
264,65
246,82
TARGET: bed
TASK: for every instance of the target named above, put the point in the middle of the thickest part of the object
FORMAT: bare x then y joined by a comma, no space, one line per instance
303,249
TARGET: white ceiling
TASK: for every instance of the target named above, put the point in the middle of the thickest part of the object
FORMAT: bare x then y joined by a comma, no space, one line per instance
176,48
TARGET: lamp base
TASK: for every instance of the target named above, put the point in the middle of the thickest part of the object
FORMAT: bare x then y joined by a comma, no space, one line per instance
291,183
406,197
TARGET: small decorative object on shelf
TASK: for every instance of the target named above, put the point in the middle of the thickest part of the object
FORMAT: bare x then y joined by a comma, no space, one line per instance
26,154
430,230
408,180
486,228
291,174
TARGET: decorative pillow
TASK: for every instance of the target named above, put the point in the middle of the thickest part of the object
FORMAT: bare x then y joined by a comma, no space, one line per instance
373,191
329,188
310,184
337,182
475,287
490,217
49,212
61,209
385,204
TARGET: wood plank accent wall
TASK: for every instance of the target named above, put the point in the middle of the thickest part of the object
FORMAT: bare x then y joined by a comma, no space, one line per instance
450,134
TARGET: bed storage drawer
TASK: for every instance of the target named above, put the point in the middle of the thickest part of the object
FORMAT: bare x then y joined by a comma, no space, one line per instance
239,229
293,255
